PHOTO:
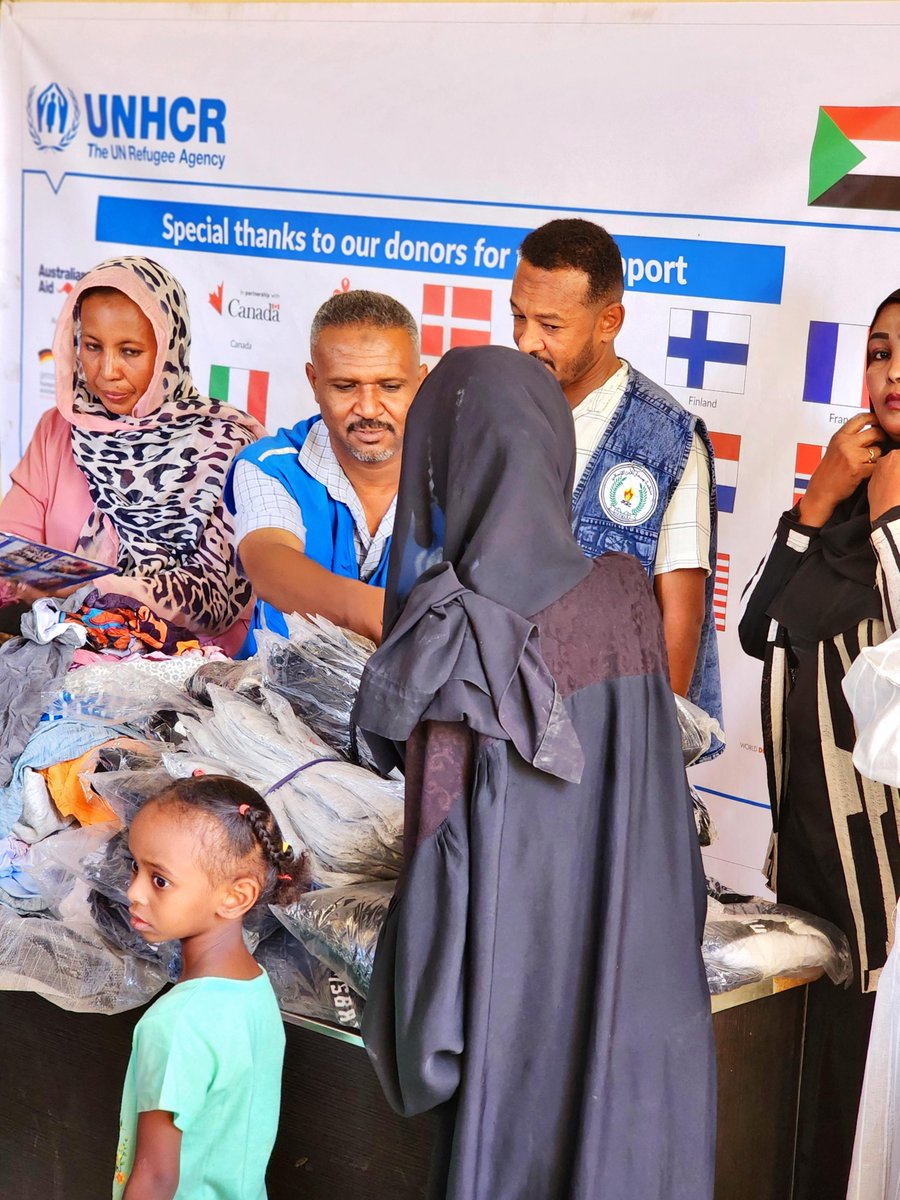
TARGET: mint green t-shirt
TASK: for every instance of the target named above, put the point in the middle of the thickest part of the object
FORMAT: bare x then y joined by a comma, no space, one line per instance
210,1051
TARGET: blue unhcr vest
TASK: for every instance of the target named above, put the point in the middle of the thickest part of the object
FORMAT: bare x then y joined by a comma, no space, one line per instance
622,496
328,523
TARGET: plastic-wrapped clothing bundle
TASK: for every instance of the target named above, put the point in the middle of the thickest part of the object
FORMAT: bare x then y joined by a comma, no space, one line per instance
875,1174
340,926
743,943
242,677
349,819
72,966
125,791
304,985
697,729
318,670
55,863
120,695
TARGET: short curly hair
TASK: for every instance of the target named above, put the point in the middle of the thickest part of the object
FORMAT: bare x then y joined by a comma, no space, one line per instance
573,243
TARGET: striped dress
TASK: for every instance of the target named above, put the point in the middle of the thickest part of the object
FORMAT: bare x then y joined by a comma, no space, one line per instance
835,848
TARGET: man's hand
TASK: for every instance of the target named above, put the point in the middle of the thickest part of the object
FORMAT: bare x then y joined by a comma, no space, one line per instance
283,576
849,460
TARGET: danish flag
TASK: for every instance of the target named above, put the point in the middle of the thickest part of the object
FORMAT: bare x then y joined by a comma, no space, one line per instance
454,316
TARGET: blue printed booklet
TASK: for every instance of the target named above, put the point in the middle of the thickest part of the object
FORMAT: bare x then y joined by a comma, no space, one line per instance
43,567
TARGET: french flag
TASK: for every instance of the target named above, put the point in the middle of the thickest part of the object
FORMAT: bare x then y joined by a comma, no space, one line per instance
836,365
727,449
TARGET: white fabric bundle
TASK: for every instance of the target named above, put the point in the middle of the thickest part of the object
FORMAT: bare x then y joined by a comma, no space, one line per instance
872,688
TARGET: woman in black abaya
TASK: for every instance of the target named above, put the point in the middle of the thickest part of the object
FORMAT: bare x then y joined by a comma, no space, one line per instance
539,976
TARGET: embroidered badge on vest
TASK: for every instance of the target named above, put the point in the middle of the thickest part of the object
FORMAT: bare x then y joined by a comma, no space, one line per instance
628,494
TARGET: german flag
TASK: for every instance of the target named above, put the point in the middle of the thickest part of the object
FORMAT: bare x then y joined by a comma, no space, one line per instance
845,138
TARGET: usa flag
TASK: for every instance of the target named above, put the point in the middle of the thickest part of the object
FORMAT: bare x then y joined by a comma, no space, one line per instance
808,458
454,316
720,590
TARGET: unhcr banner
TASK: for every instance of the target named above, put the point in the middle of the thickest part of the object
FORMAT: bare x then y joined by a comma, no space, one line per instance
270,155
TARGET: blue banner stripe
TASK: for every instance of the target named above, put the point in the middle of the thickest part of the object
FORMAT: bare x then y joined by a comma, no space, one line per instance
821,356
673,266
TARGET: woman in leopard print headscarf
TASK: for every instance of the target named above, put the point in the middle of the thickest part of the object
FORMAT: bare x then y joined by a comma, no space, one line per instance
129,467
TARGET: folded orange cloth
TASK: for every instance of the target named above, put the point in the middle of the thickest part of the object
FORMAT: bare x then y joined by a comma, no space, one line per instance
70,795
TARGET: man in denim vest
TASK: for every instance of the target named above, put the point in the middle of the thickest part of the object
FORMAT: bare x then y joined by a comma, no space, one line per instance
314,505
644,480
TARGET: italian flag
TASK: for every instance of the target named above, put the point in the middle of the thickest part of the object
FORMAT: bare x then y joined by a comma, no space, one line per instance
240,388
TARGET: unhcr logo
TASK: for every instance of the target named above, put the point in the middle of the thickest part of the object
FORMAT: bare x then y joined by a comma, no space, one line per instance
53,116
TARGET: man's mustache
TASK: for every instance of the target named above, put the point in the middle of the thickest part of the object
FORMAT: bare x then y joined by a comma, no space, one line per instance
369,423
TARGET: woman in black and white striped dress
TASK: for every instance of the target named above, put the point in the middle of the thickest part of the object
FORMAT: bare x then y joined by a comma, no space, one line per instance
830,586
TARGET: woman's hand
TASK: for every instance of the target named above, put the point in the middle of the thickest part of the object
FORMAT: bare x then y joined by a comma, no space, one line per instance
850,460
884,486
28,595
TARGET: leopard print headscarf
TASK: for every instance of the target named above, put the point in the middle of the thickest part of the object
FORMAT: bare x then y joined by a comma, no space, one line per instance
156,475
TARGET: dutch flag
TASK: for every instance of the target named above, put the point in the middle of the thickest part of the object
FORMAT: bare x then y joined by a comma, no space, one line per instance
727,449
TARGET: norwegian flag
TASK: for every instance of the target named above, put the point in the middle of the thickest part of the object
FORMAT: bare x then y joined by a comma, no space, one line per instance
720,590
454,316
808,458
727,449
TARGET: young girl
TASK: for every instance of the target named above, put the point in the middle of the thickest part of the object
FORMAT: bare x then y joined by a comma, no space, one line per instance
202,1093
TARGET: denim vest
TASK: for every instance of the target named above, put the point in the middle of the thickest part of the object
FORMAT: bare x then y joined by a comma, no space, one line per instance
622,496
328,523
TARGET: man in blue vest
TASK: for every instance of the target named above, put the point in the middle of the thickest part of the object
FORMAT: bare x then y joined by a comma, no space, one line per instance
644,481
314,505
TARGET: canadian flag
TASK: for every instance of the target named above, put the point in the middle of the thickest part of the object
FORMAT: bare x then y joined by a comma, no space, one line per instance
454,316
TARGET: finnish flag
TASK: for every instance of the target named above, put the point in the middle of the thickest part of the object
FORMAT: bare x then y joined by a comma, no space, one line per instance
707,350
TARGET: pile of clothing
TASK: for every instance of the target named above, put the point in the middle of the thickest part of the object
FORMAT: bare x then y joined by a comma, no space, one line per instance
87,743
99,721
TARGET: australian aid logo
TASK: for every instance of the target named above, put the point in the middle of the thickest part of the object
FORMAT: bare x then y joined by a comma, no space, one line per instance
117,127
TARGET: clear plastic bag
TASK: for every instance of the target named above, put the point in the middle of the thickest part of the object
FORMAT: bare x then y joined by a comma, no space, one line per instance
125,695
349,819
56,862
697,729
72,966
126,791
318,670
744,943
304,985
241,677
340,926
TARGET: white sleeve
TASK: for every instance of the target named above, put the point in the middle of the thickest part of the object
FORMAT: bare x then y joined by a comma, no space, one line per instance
261,502
684,534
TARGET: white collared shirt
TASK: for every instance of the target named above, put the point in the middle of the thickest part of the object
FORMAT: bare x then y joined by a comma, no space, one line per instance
684,534
261,502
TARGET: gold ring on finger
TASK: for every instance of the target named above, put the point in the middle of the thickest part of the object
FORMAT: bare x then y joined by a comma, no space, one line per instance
871,456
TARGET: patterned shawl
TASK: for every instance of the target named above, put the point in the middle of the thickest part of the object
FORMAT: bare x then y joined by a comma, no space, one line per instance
157,475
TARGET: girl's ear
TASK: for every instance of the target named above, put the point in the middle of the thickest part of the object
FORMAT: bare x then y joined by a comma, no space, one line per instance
238,897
